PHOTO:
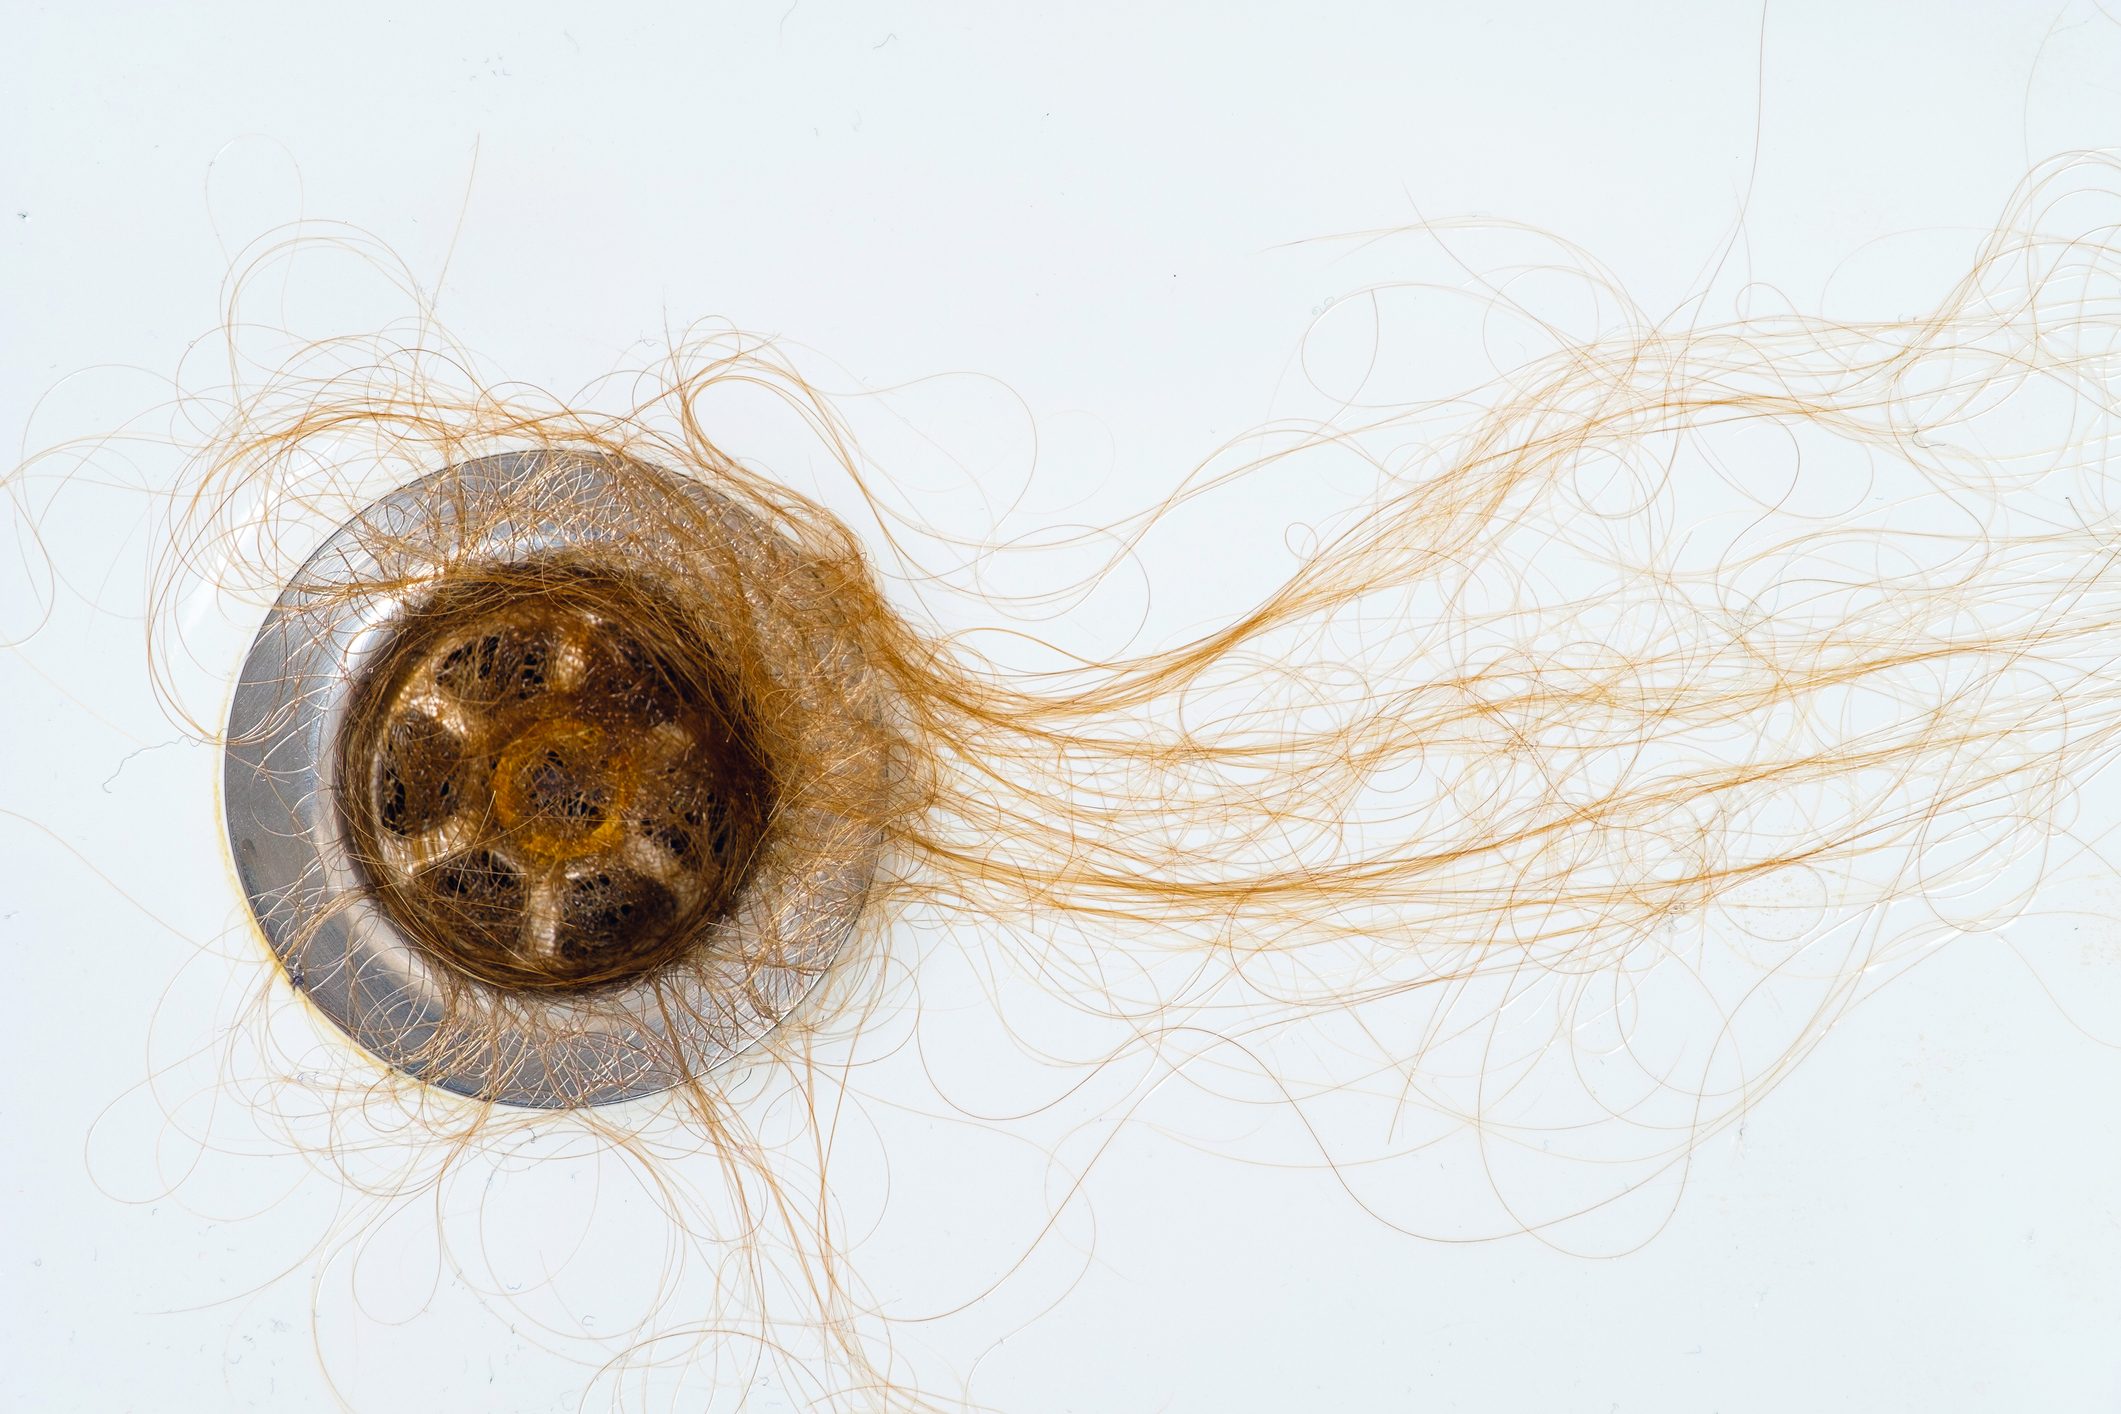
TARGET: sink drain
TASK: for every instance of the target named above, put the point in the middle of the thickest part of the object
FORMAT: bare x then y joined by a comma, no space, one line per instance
554,779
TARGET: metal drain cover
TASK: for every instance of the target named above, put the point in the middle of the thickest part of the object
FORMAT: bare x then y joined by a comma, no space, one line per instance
519,820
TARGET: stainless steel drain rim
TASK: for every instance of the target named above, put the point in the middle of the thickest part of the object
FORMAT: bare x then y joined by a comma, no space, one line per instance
291,849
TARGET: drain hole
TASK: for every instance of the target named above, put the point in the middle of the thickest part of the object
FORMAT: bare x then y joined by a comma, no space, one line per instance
510,665
480,894
611,909
707,814
678,843
687,816
419,776
559,788
624,678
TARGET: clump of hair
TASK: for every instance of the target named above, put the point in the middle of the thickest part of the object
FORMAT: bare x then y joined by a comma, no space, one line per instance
1521,722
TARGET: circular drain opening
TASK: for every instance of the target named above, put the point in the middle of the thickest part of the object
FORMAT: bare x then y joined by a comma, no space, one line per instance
555,779
539,797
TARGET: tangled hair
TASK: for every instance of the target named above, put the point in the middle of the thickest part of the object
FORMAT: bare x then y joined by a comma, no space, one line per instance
1540,718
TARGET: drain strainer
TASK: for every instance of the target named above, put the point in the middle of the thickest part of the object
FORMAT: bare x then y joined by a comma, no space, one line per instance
555,779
